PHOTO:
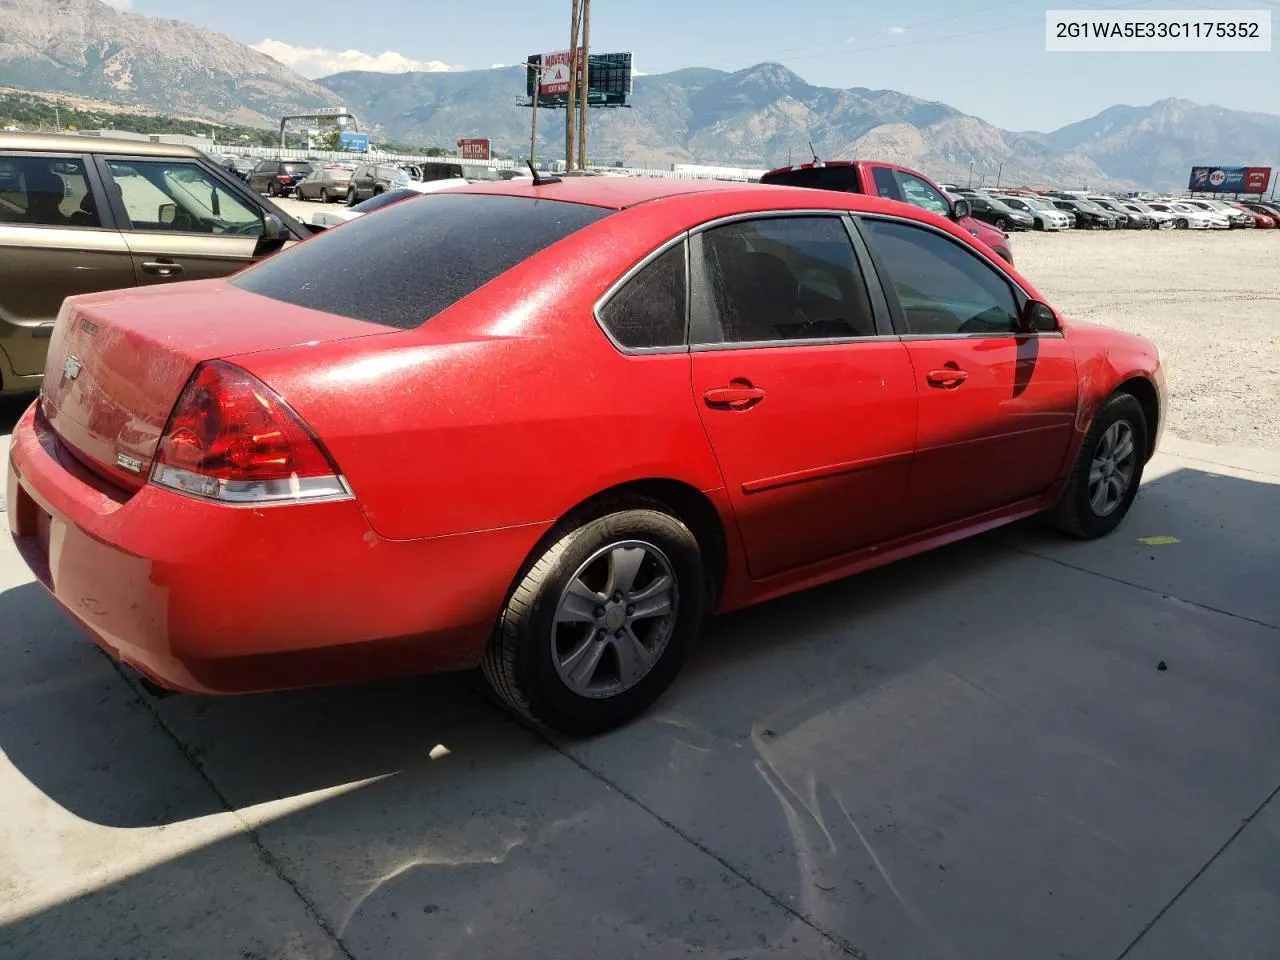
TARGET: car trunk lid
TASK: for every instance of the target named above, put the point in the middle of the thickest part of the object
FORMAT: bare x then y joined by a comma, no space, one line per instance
117,362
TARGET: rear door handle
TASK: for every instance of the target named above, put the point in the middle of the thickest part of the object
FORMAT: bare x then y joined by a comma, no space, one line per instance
739,395
947,377
162,268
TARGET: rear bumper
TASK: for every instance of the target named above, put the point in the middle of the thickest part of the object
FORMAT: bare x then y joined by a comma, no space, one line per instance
206,598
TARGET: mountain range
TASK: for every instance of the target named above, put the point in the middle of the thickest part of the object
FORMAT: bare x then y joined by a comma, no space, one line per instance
762,116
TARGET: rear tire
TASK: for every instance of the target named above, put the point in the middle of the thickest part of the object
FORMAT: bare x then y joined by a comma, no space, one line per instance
324,195
351,196
530,660
1087,510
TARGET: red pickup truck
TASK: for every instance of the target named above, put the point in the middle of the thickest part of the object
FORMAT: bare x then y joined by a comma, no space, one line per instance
893,183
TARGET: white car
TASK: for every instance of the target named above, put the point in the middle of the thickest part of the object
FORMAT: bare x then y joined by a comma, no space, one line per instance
1191,218
1164,219
1045,214
1235,218
332,216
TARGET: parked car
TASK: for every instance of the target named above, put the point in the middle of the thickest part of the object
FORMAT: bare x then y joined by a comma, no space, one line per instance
1191,218
1044,215
1132,219
430,170
1266,209
371,179
317,435
1088,215
1163,219
277,178
1261,220
996,212
326,184
240,166
82,214
891,183
1236,219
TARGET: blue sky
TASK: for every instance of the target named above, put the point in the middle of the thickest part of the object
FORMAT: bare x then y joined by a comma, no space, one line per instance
982,56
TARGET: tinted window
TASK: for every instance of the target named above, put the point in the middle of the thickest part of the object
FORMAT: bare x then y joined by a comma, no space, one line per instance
416,258
384,199
943,288
648,310
45,192
844,179
886,183
792,278
921,194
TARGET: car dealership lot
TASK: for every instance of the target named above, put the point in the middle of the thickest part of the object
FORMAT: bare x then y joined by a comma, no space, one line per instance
969,754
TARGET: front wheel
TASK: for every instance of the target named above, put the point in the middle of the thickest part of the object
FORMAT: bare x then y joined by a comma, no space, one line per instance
599,625
1002,224
351,196
1182,225
1107,472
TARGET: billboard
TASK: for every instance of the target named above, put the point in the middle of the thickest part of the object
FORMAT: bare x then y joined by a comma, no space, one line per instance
608,78
1229,179
474,148
353,142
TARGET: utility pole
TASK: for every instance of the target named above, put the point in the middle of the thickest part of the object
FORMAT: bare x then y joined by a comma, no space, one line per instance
570,120
971,174
998,174
584,91
533,124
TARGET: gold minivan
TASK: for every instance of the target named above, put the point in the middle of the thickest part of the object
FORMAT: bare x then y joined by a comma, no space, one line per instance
80,214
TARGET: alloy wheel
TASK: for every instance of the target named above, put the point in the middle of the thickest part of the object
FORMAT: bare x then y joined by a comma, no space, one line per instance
614,619
1111,470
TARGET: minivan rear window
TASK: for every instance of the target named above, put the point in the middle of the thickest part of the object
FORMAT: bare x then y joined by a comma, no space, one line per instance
402,265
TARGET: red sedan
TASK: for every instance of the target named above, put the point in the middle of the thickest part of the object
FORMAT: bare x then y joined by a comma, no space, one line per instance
545,427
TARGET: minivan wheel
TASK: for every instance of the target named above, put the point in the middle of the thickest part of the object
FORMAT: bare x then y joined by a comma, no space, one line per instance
1107,472
599,625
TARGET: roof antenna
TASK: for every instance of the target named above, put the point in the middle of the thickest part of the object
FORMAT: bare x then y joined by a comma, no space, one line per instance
539,179
814,152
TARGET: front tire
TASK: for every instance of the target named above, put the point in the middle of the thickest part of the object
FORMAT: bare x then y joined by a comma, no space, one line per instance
599,626
1107,472
1182,225
351,196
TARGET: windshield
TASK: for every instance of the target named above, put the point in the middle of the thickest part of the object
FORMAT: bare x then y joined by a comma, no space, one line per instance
1038,203
296,167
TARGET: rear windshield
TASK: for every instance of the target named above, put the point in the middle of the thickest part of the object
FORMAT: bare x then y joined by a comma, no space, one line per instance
844,179
402,265
296,167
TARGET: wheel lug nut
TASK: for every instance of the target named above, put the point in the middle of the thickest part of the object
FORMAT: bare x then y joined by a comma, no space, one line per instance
618,635
602,634
631,610
599,612
617,596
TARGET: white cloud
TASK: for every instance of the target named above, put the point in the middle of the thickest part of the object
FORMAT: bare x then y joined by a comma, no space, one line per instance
496,66
896,30
119,4
320,62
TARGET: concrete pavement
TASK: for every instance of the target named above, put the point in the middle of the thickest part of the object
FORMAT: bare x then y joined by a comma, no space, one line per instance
971,754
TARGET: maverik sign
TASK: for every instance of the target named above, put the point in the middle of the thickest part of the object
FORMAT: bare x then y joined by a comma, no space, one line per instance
1229,179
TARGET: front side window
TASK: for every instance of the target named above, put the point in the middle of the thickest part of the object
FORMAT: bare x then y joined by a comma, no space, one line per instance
46,192
921,194
649,309
178,196
777,279
405,264
942,287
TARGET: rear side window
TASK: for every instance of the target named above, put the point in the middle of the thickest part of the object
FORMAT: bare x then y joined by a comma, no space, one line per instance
45,192
886,183
843,179
405,264
649,309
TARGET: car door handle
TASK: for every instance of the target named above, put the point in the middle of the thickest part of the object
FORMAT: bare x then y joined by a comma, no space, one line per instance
739,395
162,268
947,377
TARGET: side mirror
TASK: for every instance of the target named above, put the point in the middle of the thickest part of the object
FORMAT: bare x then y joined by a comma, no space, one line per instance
1038,317
167,215
272,227
960,209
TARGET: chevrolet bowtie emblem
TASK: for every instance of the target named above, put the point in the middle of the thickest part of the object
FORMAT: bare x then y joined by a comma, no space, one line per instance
72,366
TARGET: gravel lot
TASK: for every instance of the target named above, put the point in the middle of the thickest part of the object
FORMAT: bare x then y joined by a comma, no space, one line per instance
1210,300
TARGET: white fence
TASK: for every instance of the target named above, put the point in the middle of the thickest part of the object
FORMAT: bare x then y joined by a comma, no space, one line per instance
487,169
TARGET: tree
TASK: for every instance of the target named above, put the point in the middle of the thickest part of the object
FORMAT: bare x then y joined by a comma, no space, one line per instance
330,141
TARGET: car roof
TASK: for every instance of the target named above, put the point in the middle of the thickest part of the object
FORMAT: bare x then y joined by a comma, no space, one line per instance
819,164
614,193
78,143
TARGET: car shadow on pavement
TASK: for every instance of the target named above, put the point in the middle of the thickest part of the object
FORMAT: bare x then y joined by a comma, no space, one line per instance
908,758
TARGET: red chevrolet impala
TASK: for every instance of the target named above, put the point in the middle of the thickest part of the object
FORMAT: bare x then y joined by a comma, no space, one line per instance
545,427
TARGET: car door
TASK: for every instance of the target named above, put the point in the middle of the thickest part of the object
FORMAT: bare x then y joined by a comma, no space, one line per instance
806,396
57,240
996,406
181,221
262,175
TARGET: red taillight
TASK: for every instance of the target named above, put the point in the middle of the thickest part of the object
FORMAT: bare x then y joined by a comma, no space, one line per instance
231,437
284,178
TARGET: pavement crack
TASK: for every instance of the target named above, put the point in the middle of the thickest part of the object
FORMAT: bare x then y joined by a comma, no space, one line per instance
1199,873
266,856
1145,589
